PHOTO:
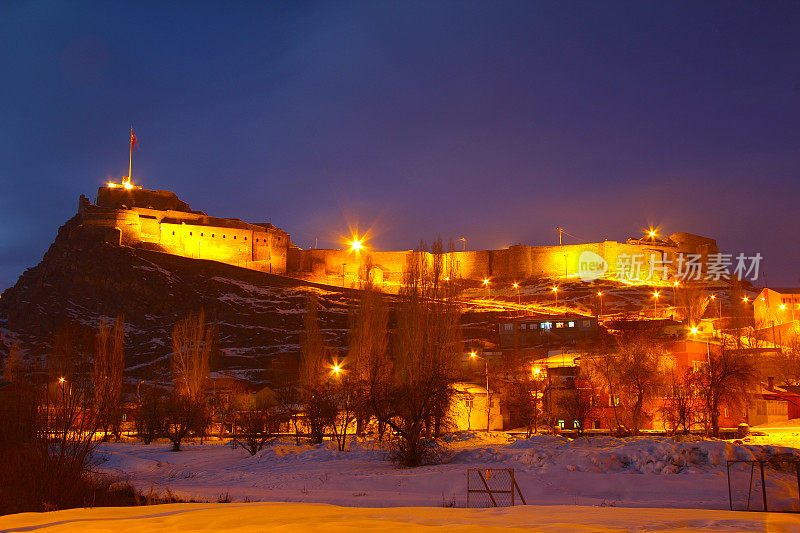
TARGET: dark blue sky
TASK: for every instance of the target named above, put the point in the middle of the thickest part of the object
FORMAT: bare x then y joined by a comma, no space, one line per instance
497,121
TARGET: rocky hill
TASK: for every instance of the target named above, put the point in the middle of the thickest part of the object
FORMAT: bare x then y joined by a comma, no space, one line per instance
259,316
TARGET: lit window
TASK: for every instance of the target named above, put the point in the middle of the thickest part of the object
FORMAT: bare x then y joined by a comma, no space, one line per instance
571,324
561,424
508,327
559,325
523,326
546,325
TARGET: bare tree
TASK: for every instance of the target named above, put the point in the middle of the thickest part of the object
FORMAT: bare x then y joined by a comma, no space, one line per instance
187,409
525,402
367,360
14,368
316,366
788,361
725,380
576,404
192,341
257,422
692,300
425,349
681,409
109,364
632,374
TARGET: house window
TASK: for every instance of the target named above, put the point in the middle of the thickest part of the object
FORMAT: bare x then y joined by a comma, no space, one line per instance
468,403
572,324
546,325
523,326
173,233
561,424
508,327
245,238
223,236
533,325
559,325
234,236
212,235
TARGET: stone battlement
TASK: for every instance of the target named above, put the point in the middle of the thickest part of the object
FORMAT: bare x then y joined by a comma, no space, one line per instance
160,220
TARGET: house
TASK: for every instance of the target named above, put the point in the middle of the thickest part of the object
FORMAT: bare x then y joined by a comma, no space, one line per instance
775,306
468,408
526,332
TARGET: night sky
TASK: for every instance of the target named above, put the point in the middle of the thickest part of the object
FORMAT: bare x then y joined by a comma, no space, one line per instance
491,120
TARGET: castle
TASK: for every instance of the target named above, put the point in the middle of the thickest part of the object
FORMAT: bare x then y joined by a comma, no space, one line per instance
128,215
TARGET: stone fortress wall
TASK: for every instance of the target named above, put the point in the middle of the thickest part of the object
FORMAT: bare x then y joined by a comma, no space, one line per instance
159,220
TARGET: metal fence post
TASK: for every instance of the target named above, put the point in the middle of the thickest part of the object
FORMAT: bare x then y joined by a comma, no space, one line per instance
763,485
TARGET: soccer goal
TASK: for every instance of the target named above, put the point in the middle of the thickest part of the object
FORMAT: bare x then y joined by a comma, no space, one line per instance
770,485
494,487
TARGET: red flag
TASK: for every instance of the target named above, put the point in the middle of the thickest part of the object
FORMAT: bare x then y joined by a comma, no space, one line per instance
133,139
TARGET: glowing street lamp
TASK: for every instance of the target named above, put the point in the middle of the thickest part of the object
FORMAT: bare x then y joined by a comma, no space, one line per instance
516,286
555,292
61,380
486,284
656,294
600,298
356,245
336,369
473,355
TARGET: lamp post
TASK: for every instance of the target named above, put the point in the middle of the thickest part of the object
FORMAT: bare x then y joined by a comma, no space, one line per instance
473,355
656,294
488,290
516,286
555,292
600,298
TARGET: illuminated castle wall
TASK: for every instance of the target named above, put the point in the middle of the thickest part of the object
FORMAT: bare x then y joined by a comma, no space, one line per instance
158,220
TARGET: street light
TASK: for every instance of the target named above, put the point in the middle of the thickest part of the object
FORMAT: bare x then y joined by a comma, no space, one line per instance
555,291
473,355
516,286
600,297
655,303
486,284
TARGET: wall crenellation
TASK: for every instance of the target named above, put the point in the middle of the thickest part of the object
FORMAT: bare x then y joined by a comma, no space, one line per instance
159,220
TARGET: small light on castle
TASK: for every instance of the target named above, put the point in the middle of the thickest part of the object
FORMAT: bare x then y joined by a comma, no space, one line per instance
485,281
111,184
127,185
783,306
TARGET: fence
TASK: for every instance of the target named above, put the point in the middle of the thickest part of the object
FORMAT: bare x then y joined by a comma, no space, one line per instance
495,487
771,485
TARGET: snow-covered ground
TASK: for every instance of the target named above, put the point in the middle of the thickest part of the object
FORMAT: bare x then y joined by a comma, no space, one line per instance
307,517
595,471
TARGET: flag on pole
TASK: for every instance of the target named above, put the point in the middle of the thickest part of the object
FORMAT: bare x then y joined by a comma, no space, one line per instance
133,139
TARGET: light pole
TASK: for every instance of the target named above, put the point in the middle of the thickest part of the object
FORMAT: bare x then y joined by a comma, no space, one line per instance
516,286
488,290
600,297
555,292
655,303
464,240
473,355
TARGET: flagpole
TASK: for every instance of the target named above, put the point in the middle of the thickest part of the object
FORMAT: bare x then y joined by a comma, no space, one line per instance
130,157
